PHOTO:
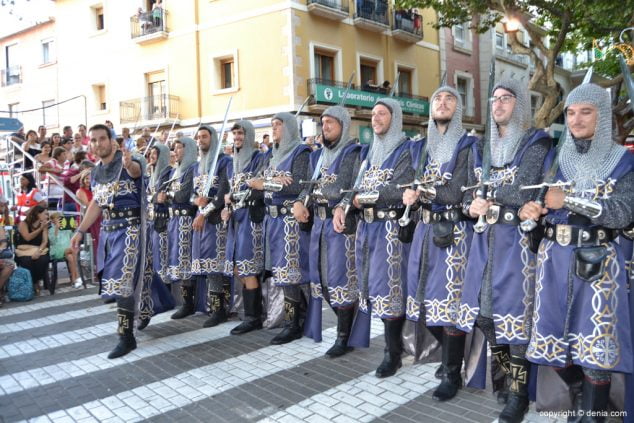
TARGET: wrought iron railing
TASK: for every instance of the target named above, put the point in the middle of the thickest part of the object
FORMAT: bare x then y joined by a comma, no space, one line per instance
373,10
11,75
149,108
147,23
408,21
341,5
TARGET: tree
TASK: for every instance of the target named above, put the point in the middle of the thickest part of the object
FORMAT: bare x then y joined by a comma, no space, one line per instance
570,25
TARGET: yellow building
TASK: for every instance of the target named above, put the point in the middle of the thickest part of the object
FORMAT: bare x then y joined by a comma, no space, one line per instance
180,63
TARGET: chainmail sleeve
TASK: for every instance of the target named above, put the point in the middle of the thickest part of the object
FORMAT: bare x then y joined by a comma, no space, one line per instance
450,193
618,210
530,172
390,195
348,170
187,188
299,170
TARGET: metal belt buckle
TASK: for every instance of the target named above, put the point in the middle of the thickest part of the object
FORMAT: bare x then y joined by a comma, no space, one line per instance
368,214
380,214
493,214
563,234
426,216
273,211
508,216
392,214
150,213
550,232
283,210
321,212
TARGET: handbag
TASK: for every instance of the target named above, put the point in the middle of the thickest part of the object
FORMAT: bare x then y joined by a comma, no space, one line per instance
27,250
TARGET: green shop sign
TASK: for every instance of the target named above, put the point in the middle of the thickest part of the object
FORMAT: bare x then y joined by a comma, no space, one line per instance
366,135
333,95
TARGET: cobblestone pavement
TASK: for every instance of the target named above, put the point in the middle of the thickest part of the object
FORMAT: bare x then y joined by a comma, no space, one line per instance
53,367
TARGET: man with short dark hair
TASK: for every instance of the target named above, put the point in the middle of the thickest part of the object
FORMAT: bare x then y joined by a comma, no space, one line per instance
117,186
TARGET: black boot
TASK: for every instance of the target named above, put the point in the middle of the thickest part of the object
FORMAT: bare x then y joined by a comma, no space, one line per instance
393,348
344,325
187,309
217,310
292,329
573,376
500,354
143,322
594,398
252,300
452,355
127,342
517,404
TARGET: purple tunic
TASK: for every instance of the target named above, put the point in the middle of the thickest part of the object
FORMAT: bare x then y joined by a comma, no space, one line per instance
435,274
118,250
179,228
286,245
502,255
208,245
245,238
586,321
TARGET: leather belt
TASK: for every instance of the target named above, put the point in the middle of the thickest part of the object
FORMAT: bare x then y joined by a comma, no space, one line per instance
182,211
452,215
506,215
122,213
275,211
372,214
161,215
323,212
111,227
566,235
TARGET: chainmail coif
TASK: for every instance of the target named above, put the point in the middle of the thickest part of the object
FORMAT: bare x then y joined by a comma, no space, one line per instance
441,146
333,148
384,145
503,149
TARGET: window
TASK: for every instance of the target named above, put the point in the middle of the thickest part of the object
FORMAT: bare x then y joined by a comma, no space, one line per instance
324,65
99,19
48,51
368,69
13,110
499,41
405,81
462,87
49,113
226,73
157,95
99,91
459,33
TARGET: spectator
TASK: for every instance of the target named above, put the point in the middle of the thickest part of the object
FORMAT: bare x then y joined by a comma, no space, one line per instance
59,241
157,13
41,134
5,214
53,189
85,139
77,145
45,155
386,87
144,21
6,262
128,141
71,177
32,147
110,125
140,145
28,196
84,196
67,133
56,140
18,136
31,249
163,137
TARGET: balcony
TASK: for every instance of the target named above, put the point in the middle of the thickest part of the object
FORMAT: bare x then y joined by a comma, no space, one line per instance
148,27
330,9
508,56
11,75
153,108
331,92
372,15
408,26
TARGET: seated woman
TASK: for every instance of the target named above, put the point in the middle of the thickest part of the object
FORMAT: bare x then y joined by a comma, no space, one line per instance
59,241
6,262
31,249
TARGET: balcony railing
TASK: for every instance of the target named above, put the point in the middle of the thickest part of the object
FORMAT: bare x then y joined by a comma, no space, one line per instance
340,5
518,58
373,10
11,75
148,23
149,108
409,22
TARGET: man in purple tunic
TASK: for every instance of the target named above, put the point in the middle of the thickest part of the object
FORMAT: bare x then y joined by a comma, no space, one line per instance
117,185
581,322
286,246
498,289
438,258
